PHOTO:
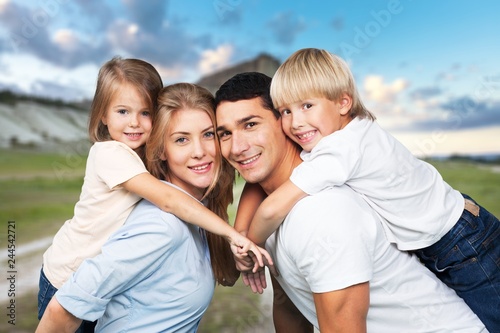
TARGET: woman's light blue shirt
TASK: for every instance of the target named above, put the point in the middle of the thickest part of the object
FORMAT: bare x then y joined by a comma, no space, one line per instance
153,275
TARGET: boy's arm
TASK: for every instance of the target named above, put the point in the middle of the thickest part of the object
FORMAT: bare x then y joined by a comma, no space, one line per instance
273,211
56,319
182,205
251,197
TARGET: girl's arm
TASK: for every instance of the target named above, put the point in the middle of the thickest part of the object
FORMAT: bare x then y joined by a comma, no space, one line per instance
273,211
182,205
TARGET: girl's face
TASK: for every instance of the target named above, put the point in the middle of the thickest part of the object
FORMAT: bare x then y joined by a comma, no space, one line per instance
190,151
128,118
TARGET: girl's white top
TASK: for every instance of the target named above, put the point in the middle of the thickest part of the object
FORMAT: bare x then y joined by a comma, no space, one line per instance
103,207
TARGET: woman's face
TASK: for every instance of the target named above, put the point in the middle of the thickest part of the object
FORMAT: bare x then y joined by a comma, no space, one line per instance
190,151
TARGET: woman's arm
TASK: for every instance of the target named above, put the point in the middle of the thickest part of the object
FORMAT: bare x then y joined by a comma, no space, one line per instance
56,319
273,211
188,209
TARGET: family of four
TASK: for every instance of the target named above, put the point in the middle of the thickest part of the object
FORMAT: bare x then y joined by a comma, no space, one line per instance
347,229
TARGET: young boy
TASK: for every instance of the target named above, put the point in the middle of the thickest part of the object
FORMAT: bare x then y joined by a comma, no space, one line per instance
321,111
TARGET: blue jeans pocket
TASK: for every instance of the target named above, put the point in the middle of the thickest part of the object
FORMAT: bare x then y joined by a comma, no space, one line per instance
45,293
467,259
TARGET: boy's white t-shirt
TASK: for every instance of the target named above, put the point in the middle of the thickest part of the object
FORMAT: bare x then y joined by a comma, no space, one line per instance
103,207
418,205
333,240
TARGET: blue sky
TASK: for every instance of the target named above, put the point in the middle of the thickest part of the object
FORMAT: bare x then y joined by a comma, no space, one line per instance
428,69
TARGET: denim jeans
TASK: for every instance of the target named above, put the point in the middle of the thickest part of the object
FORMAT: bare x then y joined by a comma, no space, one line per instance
467,259
45,293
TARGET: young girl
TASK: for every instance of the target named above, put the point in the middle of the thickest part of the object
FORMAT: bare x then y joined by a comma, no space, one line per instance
121,118
342,144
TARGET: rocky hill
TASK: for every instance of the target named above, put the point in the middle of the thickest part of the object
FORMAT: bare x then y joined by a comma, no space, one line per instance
39,123
31,124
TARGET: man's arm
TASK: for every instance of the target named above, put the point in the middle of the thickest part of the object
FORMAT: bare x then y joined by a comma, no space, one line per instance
343,310
56,319
287,318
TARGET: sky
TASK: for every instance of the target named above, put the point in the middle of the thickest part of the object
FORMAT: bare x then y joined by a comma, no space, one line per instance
428,70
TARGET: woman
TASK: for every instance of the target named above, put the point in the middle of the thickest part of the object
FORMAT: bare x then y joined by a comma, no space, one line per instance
155,273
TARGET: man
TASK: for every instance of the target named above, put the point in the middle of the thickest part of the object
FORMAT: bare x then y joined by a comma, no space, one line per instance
334,261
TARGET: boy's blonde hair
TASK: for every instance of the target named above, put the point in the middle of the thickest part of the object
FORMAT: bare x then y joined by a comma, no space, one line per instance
316,73
178,98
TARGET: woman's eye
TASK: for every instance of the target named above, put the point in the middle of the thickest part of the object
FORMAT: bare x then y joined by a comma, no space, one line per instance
209,134
181,140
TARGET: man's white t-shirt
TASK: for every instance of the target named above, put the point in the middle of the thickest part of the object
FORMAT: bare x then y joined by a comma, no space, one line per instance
418,206
334,239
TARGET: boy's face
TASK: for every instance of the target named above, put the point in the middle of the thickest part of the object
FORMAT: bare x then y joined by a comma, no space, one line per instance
251,138
308,121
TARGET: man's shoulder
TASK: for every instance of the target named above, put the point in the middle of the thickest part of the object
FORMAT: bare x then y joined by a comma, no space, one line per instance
330,210
334,198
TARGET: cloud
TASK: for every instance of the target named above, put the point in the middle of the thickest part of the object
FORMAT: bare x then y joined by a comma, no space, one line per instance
381,92
458,114
55,90
145,34
426,92
95,11
149,17
169,46
28,31
338,23
212,60
285,27
228,14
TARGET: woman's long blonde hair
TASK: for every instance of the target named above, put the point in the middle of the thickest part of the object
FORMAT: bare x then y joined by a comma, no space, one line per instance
176,98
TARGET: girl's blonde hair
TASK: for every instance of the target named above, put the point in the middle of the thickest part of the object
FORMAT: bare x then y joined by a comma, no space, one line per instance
176,98
112,76
316,73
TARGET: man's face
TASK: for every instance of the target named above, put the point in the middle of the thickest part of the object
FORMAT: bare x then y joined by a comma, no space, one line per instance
251,138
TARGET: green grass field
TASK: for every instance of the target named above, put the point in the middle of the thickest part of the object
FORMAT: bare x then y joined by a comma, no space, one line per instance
39,190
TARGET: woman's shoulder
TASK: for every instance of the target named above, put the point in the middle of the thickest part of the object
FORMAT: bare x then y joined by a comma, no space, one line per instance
147,211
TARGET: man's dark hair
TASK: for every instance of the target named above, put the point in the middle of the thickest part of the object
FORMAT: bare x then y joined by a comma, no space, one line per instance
244,86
